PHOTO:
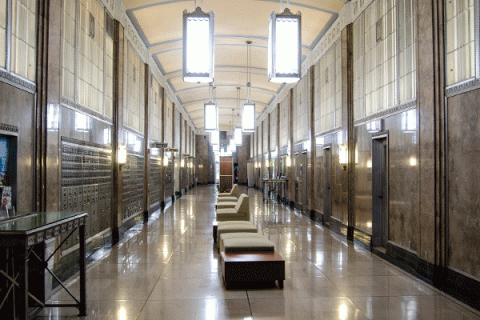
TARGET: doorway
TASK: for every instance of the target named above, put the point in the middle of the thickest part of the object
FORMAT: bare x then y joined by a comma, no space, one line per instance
327,201
380,190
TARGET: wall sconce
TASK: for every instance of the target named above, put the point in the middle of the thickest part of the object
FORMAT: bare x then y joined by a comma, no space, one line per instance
267,163
288,161
165,161
413,161
343,156
182,163
284,47
122,155
198,46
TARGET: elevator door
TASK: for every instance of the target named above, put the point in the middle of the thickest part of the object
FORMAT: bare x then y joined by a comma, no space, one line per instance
379,192
327,201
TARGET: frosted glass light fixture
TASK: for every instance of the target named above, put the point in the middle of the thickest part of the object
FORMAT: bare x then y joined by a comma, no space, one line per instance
231,146
211,116
214,137
237,136
284,47
248,110
248,117
198,46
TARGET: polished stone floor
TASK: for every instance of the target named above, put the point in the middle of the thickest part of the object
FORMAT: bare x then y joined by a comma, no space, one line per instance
168,269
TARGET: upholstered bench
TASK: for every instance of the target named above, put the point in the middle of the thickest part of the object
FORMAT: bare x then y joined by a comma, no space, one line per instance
236,235
233,193
248,245
226,199
241,211
226,204
234,226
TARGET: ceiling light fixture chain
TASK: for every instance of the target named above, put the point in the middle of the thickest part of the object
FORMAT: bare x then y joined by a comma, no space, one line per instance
210,92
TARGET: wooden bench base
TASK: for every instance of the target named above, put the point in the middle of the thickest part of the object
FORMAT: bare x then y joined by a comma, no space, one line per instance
249,267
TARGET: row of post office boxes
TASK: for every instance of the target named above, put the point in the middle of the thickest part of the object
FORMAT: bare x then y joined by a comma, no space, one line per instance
81,196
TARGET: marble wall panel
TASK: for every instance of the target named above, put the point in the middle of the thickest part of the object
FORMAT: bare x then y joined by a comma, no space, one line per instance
97,131
338,179
463,147
363,179
403,179
17,109
202,159
243,153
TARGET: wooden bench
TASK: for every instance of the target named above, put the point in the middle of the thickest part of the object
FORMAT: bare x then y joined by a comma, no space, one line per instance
248,267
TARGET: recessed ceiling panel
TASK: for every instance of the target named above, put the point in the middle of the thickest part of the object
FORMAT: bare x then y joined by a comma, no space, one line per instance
169,61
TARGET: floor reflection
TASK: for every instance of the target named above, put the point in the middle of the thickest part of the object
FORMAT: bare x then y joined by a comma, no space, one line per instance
168,269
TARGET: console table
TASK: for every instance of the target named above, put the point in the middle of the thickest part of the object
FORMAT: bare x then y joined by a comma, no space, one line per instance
19,235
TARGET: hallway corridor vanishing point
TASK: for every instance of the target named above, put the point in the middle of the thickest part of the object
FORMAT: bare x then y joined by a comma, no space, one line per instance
168,269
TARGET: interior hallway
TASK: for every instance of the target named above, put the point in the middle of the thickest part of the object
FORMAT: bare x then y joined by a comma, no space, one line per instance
168,269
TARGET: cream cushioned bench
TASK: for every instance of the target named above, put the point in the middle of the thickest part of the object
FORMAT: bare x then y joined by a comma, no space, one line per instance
241,211
234,226
247,235
248,245
235,192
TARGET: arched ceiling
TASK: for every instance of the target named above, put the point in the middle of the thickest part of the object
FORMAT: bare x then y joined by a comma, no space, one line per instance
159,23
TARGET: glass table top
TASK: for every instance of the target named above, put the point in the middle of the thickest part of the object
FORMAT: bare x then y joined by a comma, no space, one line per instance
25,221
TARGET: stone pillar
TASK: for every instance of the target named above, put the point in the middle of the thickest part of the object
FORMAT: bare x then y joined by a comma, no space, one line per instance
146,147
431,120
348,116
117,137
50,170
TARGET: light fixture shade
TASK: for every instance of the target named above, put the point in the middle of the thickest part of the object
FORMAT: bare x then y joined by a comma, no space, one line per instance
284,47
248,117
231,146
198,46
215,138
237,136
211,116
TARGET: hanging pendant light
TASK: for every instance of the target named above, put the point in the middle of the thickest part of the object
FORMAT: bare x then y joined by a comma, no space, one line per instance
198,46
284,46
248,110
237,132
211,113
215,137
